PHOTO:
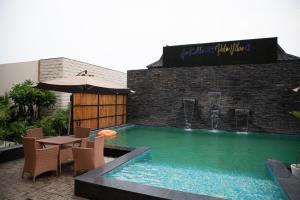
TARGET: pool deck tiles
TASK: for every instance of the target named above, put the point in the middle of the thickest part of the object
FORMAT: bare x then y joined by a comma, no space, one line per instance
48,186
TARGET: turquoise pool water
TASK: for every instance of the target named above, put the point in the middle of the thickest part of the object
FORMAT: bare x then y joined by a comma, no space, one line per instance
220,164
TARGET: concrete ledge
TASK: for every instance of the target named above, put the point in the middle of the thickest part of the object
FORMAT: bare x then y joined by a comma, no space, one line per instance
116,151
11,153
288,182
16,152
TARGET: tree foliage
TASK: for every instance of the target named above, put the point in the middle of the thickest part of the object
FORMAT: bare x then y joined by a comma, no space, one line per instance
29,101
24,112
55,124
296,114
5,115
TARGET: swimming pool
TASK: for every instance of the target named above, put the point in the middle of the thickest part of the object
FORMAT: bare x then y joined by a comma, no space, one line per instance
219,164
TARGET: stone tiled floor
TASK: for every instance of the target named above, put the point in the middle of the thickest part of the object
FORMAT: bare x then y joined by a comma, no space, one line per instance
47,186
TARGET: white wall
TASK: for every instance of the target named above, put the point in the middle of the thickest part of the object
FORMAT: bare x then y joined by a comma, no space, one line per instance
14,73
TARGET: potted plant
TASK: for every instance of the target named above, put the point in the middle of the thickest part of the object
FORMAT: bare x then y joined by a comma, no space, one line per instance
296,167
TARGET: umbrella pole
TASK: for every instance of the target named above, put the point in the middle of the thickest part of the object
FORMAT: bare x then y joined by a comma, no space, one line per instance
69,119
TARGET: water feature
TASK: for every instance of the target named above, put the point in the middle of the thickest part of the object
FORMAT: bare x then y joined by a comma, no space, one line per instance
214,106
214,116
241,119
188,109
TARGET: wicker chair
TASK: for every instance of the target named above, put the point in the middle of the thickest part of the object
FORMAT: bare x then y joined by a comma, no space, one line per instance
82,133
38,161
65,152
90,157
36,133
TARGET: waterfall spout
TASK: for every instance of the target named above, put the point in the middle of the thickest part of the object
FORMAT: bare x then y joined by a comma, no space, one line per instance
188,106
214,117
241,119
214,107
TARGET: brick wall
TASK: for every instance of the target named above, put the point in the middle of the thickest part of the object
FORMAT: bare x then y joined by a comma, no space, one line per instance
263,89
64,67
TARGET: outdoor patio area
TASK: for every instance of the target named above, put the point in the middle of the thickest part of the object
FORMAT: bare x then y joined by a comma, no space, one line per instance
47,185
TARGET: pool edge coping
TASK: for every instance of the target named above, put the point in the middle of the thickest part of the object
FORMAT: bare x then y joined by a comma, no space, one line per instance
289,184
90,184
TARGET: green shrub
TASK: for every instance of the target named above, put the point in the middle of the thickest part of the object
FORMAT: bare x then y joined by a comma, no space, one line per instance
29,101
296,114
47,125
16,130
55,124
60,121
2,134
25,113
5,116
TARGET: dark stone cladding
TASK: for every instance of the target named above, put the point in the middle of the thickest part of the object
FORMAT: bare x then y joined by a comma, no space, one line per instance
265,89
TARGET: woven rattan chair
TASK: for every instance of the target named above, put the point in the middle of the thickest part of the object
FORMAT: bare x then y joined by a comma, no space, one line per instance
66,150
82,133
65,154
38,161
90,157
36,133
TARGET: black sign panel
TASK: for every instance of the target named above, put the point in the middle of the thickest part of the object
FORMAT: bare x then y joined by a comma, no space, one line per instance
221,53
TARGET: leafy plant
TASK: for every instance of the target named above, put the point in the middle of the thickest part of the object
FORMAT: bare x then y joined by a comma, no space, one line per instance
43,99
4,111
60,121
5,116
55,124
2,134
296,114
29,101
25,112
16,130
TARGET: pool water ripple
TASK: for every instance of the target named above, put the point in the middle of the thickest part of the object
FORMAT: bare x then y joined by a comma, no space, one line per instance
221,164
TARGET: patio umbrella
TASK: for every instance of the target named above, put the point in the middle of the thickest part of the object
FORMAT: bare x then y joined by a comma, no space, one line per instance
83,83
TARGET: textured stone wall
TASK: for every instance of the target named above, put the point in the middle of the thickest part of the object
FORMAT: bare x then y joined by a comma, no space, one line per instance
50,69
266,90
64,67
73,67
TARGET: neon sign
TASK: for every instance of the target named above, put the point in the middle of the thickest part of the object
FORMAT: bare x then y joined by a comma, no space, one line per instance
222,53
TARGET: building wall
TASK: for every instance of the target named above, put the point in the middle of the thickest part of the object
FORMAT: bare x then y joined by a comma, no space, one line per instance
14,73
266,90
50,69
64,67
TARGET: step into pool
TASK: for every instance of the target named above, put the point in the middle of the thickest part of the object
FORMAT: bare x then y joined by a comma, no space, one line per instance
223,164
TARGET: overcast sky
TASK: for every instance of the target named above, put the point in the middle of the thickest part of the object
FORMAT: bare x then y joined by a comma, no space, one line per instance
130,34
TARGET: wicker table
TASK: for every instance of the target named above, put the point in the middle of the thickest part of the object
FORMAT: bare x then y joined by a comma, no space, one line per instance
59,140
